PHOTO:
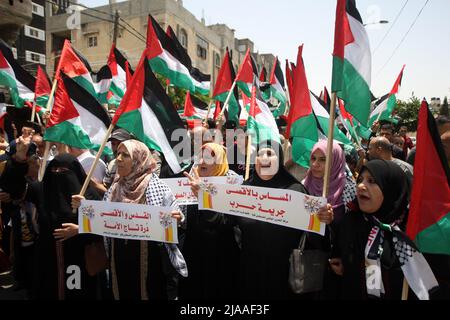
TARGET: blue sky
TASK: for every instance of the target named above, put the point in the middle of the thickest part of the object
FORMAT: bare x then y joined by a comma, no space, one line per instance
279,27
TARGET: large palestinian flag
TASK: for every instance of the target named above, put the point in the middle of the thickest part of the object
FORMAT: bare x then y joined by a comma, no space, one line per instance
118,66
75,66
148,113
386,104
277,88
261,123
20,83
165,59
429,213
223,86
77,119
302,125
352,61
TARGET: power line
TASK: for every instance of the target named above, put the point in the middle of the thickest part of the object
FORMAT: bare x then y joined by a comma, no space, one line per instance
392,25
403,39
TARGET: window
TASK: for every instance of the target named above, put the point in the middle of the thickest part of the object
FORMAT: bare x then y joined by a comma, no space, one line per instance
217,60
34,33
38,9
184,38
92,41
14,51
202,48
35,57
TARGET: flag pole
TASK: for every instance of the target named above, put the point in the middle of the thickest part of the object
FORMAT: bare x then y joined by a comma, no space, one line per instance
248,157
225,105
405,290
33,110
47,143
329,155
97,158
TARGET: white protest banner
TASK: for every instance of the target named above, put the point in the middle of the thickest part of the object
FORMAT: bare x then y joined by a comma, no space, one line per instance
127,221
277,206
181,188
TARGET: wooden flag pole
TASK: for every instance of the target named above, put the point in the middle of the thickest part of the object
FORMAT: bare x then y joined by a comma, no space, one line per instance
33,110
47,144
248,157
329,155
405,290
97,158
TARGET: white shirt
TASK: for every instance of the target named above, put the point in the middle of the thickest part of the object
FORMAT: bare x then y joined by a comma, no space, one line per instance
86,160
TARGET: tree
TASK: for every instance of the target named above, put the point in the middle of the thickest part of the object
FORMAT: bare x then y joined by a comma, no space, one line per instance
444,108
408,112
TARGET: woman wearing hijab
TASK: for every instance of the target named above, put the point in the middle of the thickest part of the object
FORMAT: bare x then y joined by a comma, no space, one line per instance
266,247
63,178
370,246
139,268
210,248
342,189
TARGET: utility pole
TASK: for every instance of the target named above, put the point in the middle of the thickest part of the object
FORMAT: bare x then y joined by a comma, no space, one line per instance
116,27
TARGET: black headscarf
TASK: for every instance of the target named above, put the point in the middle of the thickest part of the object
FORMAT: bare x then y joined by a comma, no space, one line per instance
282,179
393,183
59,187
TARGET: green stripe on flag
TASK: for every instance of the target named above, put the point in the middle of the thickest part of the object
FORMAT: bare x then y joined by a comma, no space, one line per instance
8,81
177,79
434,239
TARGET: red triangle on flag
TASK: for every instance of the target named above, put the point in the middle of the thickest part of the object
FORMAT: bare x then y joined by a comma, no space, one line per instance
189,110
63,108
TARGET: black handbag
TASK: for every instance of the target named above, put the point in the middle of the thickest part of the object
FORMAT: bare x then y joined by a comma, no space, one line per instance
307,268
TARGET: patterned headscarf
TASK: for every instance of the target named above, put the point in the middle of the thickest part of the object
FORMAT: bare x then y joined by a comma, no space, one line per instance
337,176
220,159
131,189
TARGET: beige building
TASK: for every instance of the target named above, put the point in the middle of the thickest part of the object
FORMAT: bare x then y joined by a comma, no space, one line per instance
206,45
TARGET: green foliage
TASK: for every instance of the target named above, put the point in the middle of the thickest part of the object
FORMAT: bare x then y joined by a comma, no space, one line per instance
444,108
408,113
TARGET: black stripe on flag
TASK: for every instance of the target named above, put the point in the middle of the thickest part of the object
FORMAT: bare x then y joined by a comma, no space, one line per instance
199,103
279,74
86,100
351,10
23,76
121,61
434,133
156,98
103,74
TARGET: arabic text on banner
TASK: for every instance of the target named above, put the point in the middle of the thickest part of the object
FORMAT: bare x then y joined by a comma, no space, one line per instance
277,206
181,188
127,221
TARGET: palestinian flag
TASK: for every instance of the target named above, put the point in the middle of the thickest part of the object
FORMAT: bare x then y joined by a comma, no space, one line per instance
165,59
75,66
301,124
261,123
148,113
263,75
290,81
247,74
118,66
429,213
129,73
323,119
245,104
352,61
277,88
347,120
194,108
103,82
202,81
42,90
21,84
386,104
77,119
223,86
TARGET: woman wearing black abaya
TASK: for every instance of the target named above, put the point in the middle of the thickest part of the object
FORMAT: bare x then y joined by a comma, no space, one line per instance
266,247
369,237
63,178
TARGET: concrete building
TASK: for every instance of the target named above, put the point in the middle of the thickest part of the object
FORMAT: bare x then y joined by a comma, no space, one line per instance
206,45
29,48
